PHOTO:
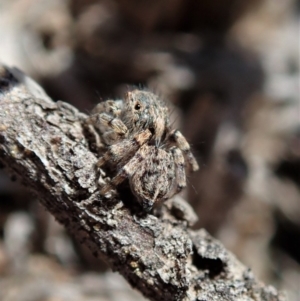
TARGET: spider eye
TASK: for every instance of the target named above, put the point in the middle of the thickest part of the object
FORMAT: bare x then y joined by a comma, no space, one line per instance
137,106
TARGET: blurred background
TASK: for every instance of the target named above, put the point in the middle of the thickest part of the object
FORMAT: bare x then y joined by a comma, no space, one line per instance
231,70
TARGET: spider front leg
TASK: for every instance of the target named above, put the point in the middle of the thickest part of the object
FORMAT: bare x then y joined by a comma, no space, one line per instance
126,171
104,120
183,145
113,107
112,127
121,152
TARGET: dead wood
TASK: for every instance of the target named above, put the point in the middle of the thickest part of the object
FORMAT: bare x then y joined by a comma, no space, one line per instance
44,145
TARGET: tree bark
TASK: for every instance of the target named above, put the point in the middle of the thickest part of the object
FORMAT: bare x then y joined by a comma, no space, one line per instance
45,144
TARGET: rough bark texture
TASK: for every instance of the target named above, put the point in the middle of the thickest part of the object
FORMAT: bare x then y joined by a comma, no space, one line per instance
44,145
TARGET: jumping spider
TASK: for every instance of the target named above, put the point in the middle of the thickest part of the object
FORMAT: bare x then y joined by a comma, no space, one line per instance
141,146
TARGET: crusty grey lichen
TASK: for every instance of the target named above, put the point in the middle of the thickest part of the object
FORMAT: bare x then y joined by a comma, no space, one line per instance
44,144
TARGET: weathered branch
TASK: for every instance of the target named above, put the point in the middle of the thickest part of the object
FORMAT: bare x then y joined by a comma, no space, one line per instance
45,145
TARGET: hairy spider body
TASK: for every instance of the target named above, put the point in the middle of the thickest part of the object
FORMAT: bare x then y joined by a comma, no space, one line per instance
141,147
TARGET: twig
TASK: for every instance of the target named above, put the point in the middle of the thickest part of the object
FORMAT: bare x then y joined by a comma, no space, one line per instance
44,144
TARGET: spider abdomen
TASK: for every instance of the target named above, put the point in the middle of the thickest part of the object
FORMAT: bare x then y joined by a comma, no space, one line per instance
155,181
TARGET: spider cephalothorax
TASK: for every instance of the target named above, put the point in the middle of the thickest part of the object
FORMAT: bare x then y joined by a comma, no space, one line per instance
144,110
141,146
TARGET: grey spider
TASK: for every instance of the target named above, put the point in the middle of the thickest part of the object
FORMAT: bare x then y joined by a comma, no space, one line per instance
141,146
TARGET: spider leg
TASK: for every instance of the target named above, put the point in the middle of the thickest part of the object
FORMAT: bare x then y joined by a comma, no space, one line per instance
95,135
123,151
108,106
183,145
179,168
126,171
112,123
105,118
112,137
120,153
